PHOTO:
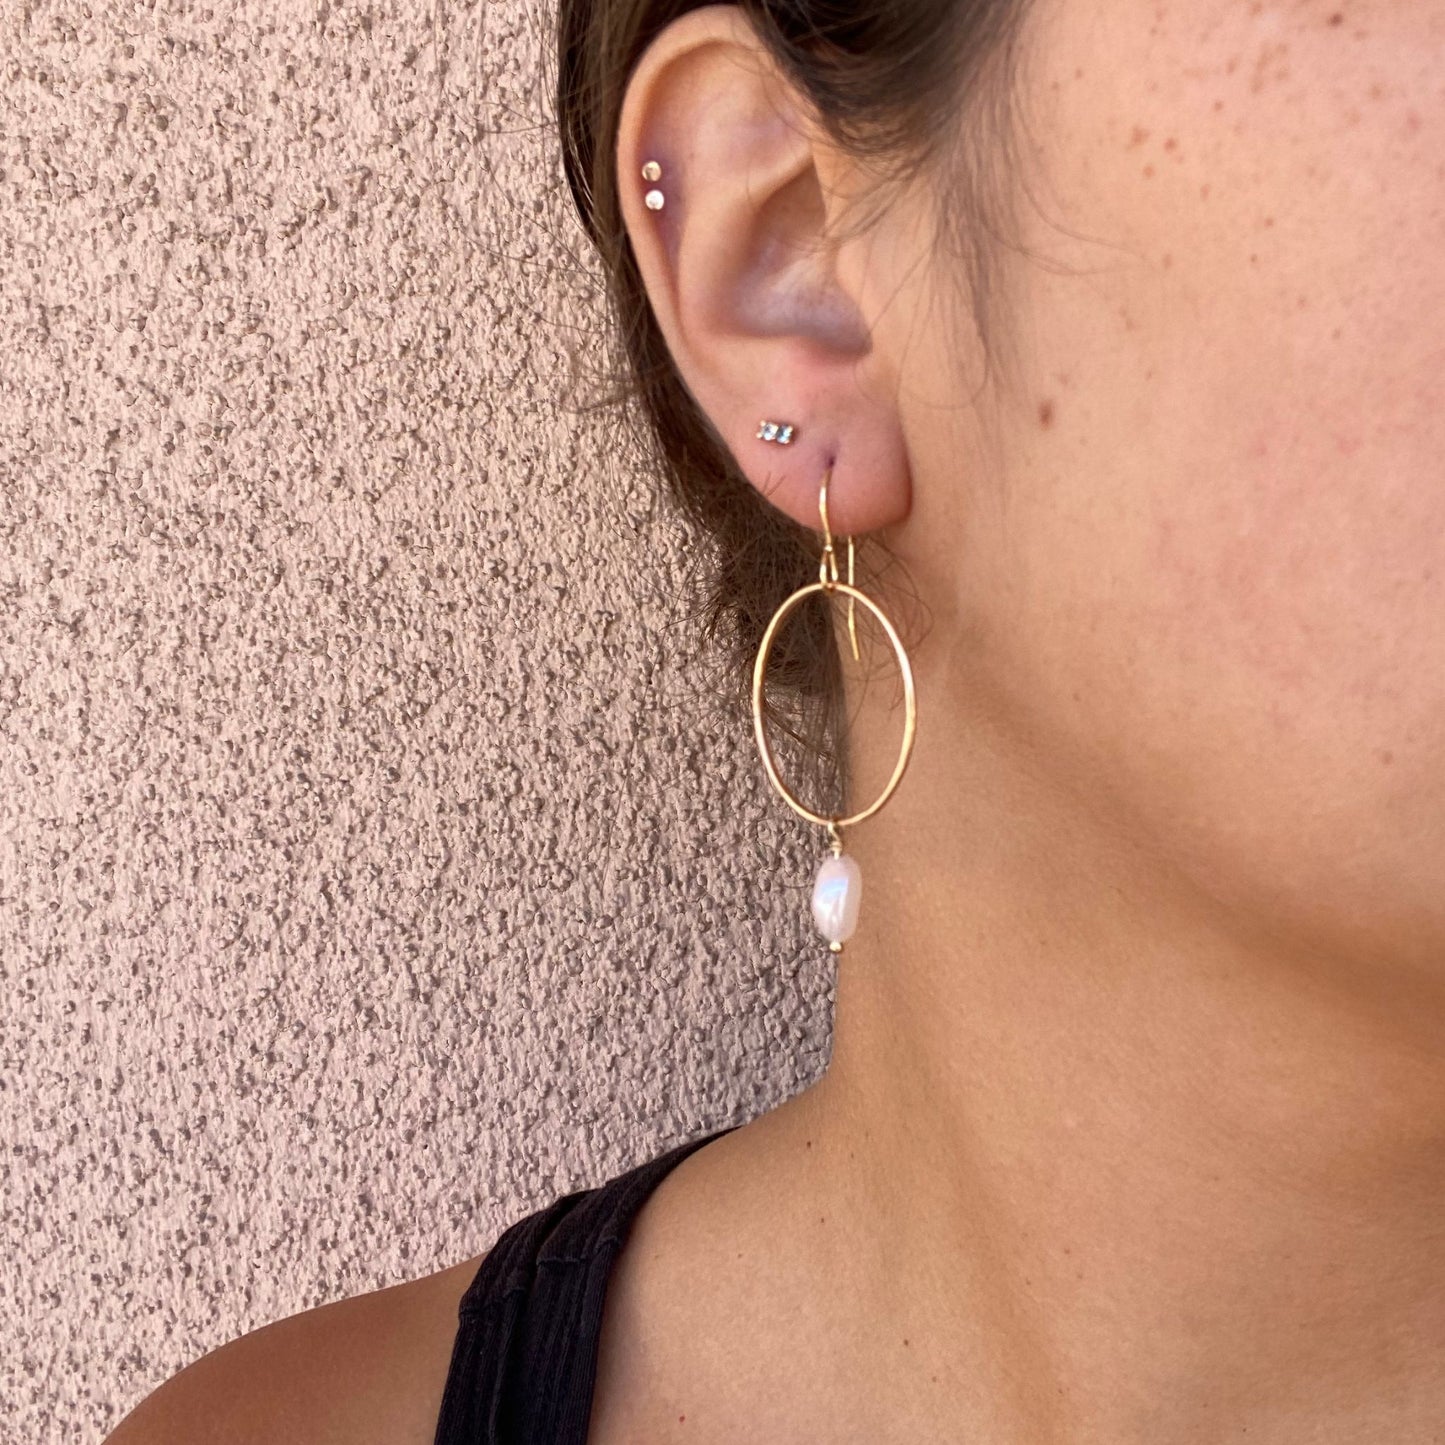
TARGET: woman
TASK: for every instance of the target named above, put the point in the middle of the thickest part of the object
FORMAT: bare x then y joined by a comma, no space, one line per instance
1117,330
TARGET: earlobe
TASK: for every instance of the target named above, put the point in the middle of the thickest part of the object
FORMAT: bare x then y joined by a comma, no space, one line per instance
729,217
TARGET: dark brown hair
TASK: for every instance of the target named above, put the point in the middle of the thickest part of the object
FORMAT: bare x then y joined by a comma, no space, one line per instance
916,83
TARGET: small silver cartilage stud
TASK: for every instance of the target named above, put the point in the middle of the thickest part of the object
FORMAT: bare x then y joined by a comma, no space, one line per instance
651,171
772,431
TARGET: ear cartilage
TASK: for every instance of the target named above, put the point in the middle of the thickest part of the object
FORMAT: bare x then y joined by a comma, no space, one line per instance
651,171
773,431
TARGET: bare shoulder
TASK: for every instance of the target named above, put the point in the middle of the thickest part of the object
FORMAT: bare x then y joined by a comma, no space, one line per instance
370,1368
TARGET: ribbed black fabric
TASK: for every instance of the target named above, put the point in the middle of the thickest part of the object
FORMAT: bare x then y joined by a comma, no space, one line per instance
524,1363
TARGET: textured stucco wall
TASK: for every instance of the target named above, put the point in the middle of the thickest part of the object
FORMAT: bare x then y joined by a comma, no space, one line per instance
373,865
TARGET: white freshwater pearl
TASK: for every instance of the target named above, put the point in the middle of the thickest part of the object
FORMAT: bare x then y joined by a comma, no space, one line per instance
836,895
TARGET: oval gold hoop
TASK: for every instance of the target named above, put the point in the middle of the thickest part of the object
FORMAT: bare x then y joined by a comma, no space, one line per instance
910,716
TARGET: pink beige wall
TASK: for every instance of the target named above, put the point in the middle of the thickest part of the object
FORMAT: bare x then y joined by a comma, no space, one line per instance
375,861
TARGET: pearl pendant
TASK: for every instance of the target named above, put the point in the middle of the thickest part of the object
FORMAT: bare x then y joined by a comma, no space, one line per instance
836,895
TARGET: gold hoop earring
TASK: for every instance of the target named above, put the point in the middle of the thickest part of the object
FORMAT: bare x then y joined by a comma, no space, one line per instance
838,889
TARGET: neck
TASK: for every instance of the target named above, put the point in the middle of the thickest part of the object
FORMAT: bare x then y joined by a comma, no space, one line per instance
1137,1162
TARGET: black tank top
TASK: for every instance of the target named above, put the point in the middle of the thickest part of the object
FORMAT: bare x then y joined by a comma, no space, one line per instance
524,1362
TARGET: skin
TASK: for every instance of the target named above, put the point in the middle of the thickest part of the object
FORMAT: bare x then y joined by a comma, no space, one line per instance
1134,1129
1135,1124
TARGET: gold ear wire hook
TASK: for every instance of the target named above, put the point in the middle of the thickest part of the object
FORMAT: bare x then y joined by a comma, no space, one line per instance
852,626
828,563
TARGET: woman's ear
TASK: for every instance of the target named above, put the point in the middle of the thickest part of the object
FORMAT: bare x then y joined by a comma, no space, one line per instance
749,286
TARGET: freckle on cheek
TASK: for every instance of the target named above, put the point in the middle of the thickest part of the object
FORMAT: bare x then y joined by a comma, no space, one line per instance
1046,414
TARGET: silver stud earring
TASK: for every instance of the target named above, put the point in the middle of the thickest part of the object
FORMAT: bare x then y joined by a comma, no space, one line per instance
651,171
773,431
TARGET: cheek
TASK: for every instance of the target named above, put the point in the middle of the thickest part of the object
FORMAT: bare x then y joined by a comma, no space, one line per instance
1229,519
1294,541
1241,661
1298,547
1291,605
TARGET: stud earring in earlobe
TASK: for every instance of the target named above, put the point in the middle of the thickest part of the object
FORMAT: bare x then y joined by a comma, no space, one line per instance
653,200
838,889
